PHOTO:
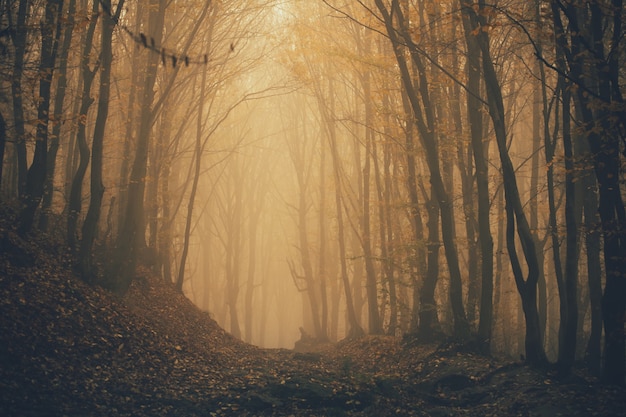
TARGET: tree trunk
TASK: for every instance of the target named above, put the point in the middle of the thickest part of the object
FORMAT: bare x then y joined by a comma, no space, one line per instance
600,105
55,138
132,235
253,221
516,217
383,187
424,315
76,194
322,269
429,321
233,250
36,177
480,152
131,120
19,40
165,233
3,141
72,152
354,328
180,278
90,226
593,353
374,320
569,300
425,124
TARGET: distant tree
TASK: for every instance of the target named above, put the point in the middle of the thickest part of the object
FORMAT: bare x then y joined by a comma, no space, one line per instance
199,146
365,77
327,110
302,160
131,237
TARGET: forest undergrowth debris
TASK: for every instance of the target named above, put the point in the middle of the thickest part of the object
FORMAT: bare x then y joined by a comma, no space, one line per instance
70,349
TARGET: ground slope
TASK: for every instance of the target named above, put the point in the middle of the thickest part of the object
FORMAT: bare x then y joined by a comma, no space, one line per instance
68,349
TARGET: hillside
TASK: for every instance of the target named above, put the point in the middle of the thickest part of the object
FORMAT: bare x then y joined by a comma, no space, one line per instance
67,349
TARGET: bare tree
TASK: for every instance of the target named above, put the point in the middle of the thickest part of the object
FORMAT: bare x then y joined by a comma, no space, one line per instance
419,97
516,218
36,176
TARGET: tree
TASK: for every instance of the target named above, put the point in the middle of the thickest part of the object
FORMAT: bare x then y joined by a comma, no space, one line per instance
36,176
88,74
516,218
90,225
302,162
355,329
3,141
424,117
198,150
57,122
480,151
591,49
19,36
132,234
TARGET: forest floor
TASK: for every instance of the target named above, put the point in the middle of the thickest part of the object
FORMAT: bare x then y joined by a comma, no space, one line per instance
68,349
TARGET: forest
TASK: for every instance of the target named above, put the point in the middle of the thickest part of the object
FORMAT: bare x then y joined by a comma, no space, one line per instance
310,173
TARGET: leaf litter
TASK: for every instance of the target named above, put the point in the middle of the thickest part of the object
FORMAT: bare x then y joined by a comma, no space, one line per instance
69,349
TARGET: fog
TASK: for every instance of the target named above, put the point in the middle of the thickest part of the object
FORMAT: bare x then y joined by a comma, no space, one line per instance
309,171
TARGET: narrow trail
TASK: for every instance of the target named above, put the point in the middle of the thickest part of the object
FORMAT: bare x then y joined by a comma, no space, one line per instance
67,349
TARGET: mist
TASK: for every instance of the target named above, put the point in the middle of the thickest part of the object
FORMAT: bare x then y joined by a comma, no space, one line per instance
313,171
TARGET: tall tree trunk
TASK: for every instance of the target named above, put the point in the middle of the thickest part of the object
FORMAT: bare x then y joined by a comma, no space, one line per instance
76,190
131,120
425,123
132,235
539,102
374,321
540,108
72,153
498,268
593,353
516,218
567,280
569,299
605,148
600,104
480,152
354,328
587,187
253,222
322,268
383,187
180,278
233,251
36,176
424,315
164,240
90,226
59,99
302,167
3,141
165,234
429,321
19,40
